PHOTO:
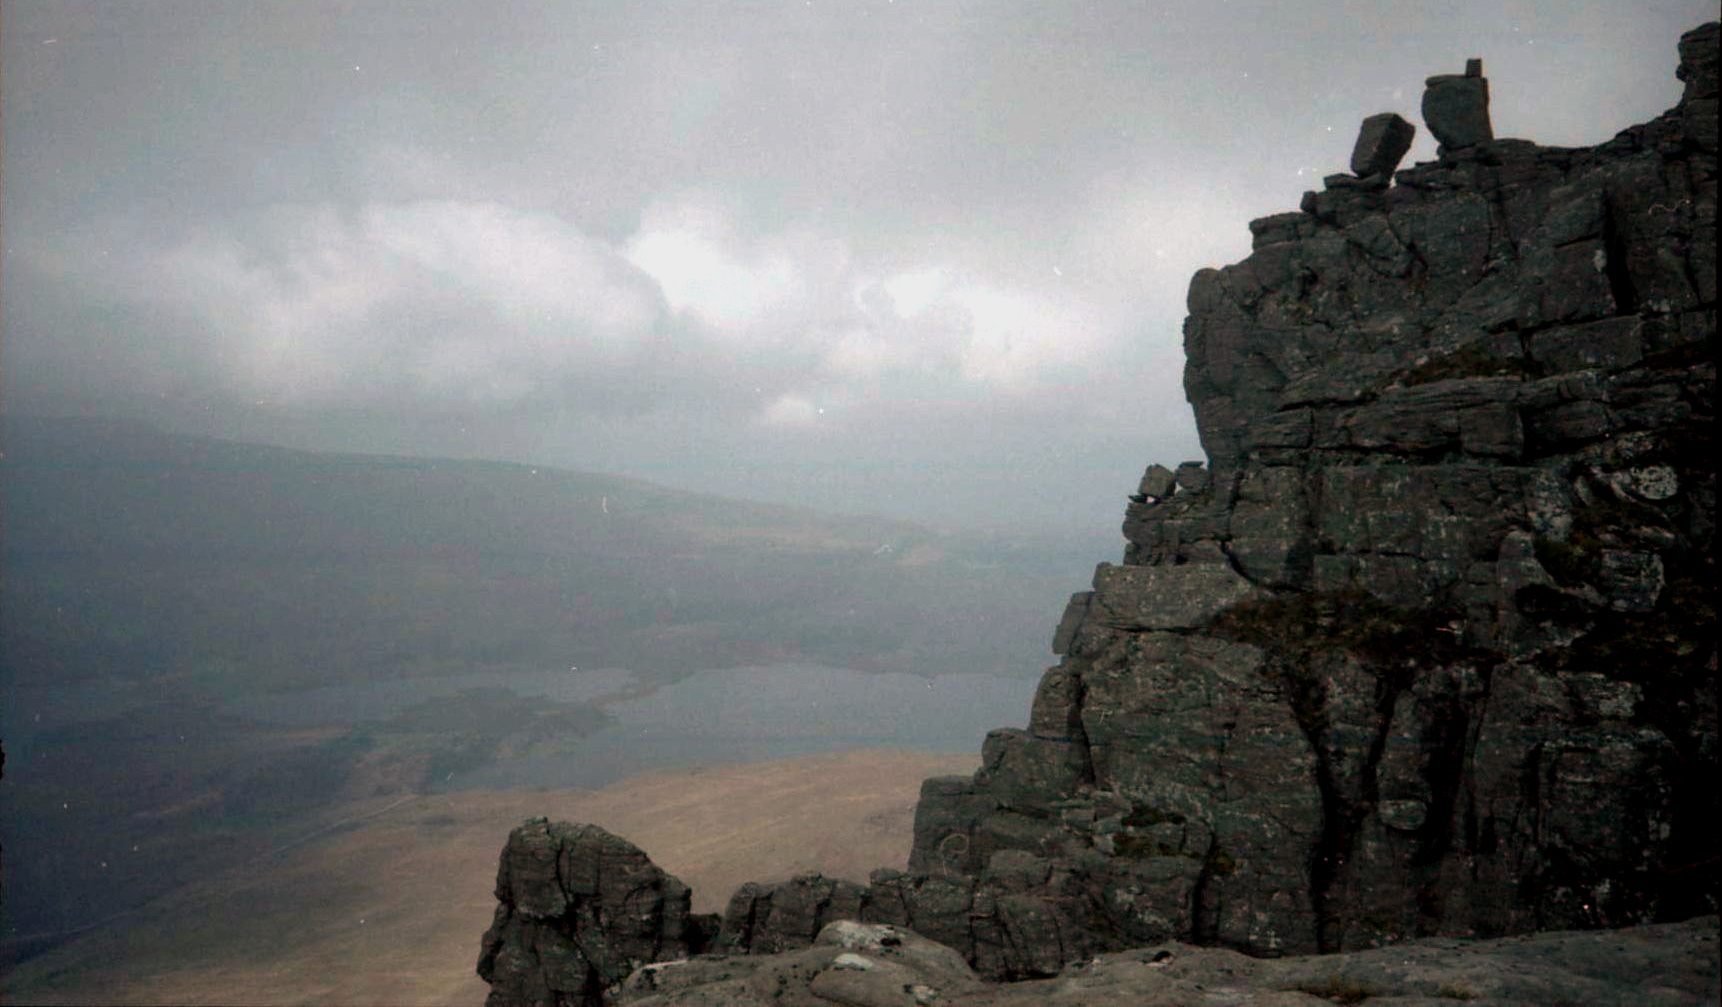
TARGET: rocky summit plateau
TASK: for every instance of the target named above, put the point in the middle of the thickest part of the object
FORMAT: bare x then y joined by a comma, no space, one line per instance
1406,695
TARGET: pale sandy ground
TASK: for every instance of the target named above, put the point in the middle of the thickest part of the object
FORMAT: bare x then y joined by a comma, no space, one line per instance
390,911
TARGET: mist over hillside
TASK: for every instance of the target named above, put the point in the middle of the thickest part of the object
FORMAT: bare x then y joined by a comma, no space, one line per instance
207,646
134,553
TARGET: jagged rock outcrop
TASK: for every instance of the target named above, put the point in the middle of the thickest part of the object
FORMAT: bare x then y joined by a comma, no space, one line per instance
1427,646
1001,919
622,913
579,910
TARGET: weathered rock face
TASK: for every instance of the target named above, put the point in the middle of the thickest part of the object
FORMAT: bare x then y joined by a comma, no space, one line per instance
1382,141
579,910
1428,645
1002,919
1456,107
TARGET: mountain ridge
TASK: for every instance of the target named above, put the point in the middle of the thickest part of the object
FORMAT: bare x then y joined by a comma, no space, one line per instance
631,555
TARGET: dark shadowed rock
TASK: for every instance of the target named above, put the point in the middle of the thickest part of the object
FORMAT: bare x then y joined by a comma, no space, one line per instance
1001,921
1698,70
1425,649
578,910
1382,141
763,919
1456,107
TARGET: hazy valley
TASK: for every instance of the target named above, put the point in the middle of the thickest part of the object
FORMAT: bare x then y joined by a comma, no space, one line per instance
1404,692
216,652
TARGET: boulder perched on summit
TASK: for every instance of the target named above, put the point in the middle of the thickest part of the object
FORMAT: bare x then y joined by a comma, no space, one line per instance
1456,107
1382,141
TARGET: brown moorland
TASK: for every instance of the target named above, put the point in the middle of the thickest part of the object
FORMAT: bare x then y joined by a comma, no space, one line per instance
388,907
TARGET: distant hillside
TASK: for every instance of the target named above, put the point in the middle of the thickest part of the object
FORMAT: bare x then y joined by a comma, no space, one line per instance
135,553
152,581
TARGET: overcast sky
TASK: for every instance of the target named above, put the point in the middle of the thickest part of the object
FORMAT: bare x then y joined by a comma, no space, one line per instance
911,257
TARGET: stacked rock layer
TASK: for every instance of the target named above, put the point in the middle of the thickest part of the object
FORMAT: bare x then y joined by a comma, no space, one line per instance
578,910
1427,645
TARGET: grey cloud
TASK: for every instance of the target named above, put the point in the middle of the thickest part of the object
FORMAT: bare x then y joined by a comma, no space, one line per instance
661,237
310,306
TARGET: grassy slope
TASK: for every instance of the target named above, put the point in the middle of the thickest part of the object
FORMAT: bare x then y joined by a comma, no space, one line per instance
389,910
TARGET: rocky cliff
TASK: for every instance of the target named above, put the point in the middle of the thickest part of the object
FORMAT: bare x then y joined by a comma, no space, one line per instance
578,910
1427,646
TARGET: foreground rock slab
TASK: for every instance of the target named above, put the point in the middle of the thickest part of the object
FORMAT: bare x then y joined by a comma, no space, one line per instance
1668,965
850,963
